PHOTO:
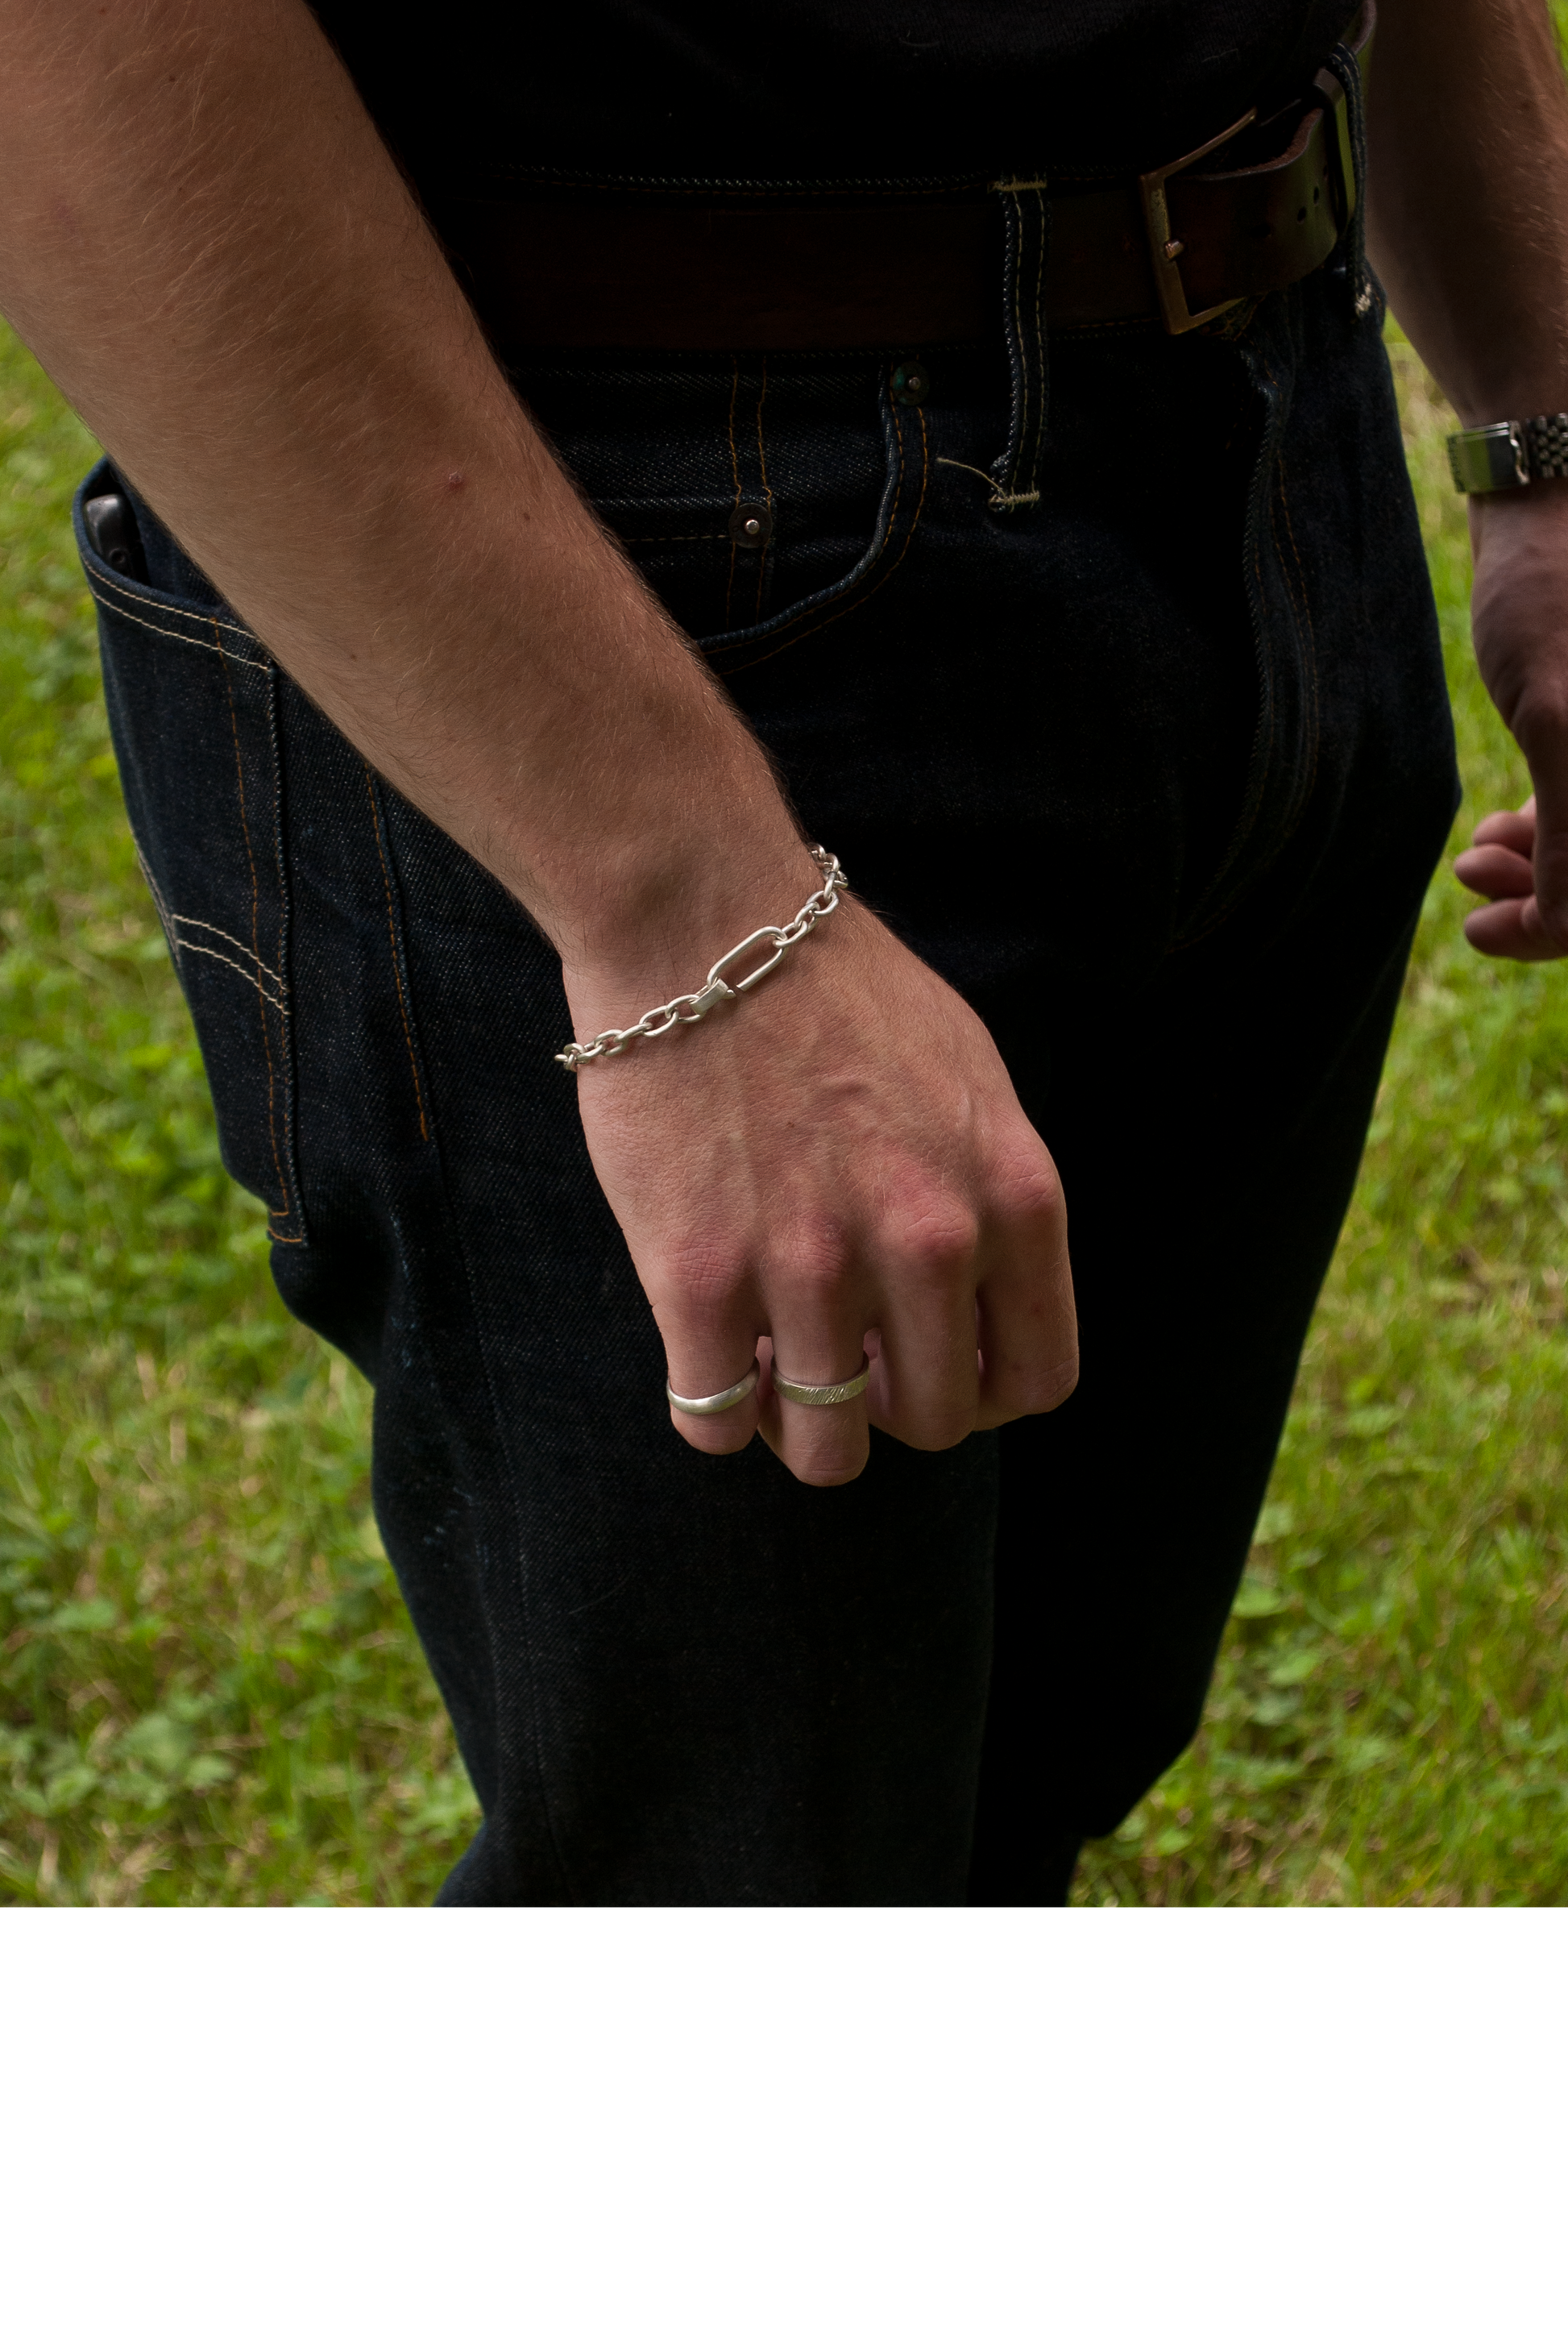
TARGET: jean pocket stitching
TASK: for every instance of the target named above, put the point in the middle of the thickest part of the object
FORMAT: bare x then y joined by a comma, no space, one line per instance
98,586
872,575
184,945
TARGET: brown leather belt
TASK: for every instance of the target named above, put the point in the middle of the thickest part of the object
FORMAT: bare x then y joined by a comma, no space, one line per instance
1176,244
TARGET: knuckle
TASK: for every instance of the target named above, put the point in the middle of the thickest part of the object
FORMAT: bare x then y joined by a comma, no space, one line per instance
812,1264
1028,1193
702,1281
1539,717
935,1239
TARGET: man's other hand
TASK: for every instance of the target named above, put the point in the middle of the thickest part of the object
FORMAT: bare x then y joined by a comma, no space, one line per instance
1519,861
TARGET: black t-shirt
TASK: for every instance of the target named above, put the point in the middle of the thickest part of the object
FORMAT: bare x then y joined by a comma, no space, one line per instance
825,91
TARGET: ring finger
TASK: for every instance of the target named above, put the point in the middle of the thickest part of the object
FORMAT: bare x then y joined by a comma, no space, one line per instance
816,1423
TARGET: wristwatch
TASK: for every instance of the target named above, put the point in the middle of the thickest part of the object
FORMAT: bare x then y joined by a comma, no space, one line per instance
1509,455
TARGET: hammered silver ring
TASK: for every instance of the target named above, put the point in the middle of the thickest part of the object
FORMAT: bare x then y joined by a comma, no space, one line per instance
824,1394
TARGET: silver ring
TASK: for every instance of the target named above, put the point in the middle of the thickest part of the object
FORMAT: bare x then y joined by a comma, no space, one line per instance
716,1402
823,1394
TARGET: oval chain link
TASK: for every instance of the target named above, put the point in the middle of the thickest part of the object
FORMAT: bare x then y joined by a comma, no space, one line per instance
691,1008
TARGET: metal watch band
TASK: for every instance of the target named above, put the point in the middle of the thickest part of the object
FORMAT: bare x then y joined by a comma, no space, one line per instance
1509,455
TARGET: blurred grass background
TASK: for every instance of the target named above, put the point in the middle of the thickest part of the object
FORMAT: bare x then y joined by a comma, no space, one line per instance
208,1690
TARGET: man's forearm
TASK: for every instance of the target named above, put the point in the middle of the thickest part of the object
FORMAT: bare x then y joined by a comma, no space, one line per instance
1468,219
209,248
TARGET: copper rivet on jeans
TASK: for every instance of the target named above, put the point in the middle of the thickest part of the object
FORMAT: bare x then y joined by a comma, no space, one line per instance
910,384
751,525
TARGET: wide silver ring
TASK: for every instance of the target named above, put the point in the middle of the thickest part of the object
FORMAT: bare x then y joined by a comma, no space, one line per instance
716,1402
823,1394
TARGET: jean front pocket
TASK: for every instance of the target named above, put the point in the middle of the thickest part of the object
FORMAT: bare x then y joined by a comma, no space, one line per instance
192,702
762,498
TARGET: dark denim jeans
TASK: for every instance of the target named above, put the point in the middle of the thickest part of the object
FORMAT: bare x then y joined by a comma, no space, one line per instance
1155,773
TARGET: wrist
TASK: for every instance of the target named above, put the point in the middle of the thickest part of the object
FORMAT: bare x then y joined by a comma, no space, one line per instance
744,963
655,929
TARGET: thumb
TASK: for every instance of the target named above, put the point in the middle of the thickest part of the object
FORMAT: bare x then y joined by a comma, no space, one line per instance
1543,734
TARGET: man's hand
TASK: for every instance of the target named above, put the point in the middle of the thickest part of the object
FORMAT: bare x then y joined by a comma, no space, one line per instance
838,1157
209,247
1468,228
1519,861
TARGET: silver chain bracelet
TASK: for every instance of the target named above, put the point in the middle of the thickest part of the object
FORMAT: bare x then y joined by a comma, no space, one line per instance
690,1008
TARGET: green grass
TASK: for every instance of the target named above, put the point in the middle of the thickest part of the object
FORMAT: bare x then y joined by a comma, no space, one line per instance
208,1690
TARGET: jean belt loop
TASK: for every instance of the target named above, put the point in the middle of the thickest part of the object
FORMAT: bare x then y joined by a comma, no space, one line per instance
1026,209
1346,70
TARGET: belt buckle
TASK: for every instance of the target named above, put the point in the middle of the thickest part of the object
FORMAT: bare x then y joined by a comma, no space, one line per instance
1165,250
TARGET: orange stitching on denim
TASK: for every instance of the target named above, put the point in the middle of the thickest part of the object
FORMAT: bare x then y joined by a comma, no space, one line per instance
396,971
798,634
767,491
735,475
762,450
283,1188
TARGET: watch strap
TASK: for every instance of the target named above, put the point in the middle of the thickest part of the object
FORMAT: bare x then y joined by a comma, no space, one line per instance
1509,455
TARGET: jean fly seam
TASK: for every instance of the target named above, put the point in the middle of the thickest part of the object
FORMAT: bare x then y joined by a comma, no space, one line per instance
1263,758
1289,575
1314,714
